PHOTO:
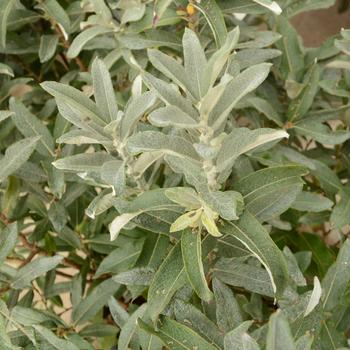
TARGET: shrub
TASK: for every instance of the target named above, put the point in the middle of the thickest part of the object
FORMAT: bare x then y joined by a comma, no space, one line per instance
174,175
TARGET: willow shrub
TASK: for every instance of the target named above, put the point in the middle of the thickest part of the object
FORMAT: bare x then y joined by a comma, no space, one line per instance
173,175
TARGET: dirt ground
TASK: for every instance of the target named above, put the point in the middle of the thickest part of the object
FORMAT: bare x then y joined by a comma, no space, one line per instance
316,26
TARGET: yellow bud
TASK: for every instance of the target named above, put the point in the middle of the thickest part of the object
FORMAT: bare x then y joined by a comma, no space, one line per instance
190,9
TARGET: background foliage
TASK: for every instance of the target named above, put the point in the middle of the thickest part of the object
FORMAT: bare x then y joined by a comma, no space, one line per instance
173,175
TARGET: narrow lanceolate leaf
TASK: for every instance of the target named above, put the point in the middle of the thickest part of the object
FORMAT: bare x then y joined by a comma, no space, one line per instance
168,94
337,278
30,126
48,45
5,9
83,162
52,340
55,11
8,238
242,140
118,313
213,14
75,99
241,85
233,340
190,316
34,269
271,5
130,327
134,111
307,201
255,238
168,279
228,313
171,68
238,274
16,155
314,298
84,37
279,335
292,59
149,141
172,116
340,214
320,132
195,62
271,191
5,114
88,307
177,336
103,91
299,106
191,247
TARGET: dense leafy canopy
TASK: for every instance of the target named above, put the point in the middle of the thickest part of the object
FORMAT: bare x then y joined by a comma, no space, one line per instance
172,176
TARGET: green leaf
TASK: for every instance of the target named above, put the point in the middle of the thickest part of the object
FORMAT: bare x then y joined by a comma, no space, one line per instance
7,70
47,49
213,14
135,109
311,202
292,59
172,116
89,307
271,5
241,85
76,100
267,109
34,269
242,140
160,7
234,339
340,214
85,162
5,9
254,237
103,91
84,37
16,155
228,313
130,327
177,336
113,173
171,68
279,335
314,298
168,94
30,126
140,276
237,274
195,62
52,340
8,239
148,141
55,10
120,259
190,316
191,247
170,277
119,315
337,278
228,204
300,106
250,57
304,342
57,215
271,191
